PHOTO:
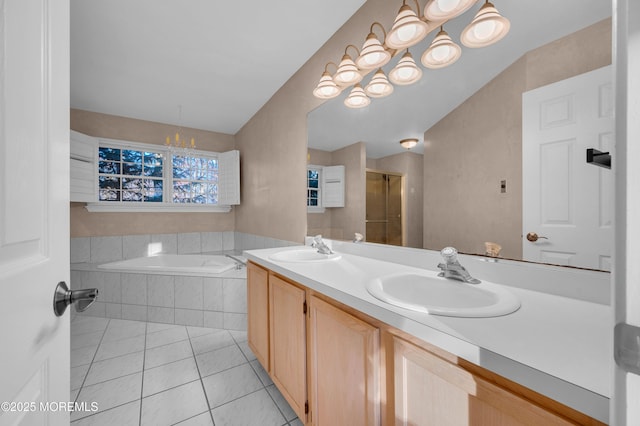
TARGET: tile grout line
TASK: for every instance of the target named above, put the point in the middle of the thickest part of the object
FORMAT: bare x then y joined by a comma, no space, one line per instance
200,377
92,360
144,358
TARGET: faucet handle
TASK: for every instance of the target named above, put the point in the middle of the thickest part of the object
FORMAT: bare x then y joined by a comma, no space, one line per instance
449,254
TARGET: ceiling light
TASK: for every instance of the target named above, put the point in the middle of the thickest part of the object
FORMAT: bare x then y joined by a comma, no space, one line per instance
442,52
357,98
379,86
444,10
406,71
348,72
408,29
180,142
409,143
326,88
373,54
487,27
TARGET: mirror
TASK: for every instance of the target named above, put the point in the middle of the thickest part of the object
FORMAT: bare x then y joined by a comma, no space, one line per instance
469,122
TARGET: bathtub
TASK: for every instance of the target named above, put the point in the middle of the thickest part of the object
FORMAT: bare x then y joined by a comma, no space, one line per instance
174,264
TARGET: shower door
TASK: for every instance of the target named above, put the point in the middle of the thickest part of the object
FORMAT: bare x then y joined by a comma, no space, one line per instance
384,208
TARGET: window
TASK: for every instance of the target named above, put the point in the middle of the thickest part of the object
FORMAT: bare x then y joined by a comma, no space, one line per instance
314,190
143,177
130,175
195,179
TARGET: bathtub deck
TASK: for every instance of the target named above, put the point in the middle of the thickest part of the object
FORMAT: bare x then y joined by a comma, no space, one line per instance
143,373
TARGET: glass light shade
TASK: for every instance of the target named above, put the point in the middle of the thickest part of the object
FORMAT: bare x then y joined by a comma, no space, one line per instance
379,86
326,88
407,29
347,73
442,52
373,54
487,27
444,10
406,71
409,143
357,98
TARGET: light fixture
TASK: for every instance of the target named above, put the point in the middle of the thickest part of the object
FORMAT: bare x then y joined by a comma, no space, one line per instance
373,54
179,141
327,88
442,51
444,10
379,86
407,30
487,27
406,71
357,98
348,72
409,143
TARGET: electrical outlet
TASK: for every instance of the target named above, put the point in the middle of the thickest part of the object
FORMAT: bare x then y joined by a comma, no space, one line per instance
503,186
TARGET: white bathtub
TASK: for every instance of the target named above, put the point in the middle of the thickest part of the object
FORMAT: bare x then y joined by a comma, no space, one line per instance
174,264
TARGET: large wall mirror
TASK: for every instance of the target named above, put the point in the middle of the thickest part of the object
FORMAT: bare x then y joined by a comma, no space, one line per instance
488,126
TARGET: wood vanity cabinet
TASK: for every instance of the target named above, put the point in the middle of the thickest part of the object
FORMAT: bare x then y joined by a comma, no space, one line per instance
344,367
287,342
258,306
338,366
428,390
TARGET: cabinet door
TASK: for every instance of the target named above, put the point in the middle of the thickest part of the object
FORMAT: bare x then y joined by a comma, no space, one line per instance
258,313
288,342
431,391
344,367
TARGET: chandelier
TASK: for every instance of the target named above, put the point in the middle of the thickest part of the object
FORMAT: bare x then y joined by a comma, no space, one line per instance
179,142
408,29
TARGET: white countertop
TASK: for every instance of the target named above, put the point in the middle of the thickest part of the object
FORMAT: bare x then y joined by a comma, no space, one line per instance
555,345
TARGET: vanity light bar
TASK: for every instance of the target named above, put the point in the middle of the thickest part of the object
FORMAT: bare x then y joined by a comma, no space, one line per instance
486,28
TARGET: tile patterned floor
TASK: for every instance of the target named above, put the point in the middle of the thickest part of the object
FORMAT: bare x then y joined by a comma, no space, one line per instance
163,374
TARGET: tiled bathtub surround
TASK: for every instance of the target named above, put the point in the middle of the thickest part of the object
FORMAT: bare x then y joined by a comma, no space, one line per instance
174,299
217,301
159,374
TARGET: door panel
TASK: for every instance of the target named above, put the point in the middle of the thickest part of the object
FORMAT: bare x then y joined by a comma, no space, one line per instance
288,364
565,199
34,206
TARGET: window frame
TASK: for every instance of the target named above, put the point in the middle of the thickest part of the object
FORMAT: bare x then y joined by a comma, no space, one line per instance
167,205
319,208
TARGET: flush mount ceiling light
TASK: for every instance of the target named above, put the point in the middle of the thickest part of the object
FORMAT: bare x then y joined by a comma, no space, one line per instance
487,27
379,86
442,52
348,72
357,98
409,143
444,10
406,71
408,29
327,88
373,54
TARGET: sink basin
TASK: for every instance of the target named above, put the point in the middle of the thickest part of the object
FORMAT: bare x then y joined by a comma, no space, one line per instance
430,294
303,255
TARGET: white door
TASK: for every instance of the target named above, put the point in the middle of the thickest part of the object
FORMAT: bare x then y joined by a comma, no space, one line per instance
34,210
565,199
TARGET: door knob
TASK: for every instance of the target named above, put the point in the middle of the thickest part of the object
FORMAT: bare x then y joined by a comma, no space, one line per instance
533,237
63,297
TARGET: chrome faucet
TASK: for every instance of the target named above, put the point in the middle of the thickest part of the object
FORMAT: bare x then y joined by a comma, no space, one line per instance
452,269
322,247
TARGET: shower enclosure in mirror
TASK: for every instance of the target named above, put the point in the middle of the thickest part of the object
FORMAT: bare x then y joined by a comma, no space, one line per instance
384,208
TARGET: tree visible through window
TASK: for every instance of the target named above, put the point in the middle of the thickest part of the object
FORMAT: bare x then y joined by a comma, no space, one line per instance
128,174
313,187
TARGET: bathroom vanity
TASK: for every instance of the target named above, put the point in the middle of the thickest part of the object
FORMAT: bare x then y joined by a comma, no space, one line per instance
341,356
